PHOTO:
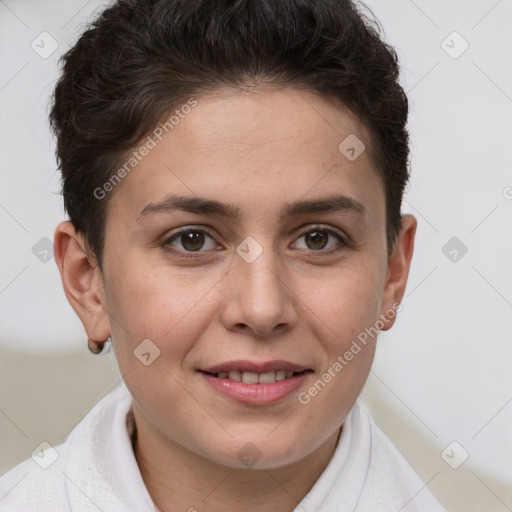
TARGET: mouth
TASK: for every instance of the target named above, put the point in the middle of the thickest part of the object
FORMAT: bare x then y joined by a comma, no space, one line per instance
255,377
253,372
256,383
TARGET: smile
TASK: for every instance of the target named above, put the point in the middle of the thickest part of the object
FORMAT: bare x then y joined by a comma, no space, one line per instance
256,378
253,383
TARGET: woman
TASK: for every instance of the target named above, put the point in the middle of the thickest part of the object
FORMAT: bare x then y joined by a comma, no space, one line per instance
233,173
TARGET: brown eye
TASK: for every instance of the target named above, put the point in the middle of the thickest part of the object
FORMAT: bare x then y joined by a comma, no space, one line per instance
192,240
316,239
320,239
189,241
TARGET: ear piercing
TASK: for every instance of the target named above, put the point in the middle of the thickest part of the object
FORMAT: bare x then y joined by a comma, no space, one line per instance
98,347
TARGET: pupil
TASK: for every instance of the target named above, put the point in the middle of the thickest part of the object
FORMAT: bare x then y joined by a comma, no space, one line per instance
192,240
317,237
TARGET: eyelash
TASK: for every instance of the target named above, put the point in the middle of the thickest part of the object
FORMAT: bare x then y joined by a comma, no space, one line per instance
196,254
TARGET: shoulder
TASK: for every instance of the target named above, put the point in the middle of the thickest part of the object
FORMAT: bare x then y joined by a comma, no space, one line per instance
390,479
36,481
368,474
50,480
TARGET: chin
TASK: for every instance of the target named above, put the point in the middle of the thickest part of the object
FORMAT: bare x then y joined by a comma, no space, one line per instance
257,452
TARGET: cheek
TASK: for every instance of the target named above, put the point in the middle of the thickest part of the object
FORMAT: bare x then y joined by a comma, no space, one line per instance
164,305
348,314
347,303
346,310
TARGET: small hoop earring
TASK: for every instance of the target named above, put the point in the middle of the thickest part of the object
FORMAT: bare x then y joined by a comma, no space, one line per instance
98,348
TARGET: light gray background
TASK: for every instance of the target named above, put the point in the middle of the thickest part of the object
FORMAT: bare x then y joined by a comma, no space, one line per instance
442,374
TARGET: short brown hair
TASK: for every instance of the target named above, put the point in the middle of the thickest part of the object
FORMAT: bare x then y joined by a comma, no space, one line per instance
140,59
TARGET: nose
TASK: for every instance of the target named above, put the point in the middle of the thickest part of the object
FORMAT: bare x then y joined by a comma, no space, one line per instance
258,296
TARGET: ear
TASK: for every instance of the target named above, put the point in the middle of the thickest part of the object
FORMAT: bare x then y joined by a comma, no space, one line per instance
399,263
82,280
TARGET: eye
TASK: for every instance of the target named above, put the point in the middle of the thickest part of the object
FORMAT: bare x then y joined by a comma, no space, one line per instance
188,241
316,239
191,240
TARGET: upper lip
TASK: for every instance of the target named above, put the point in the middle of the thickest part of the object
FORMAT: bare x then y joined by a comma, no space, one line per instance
244,365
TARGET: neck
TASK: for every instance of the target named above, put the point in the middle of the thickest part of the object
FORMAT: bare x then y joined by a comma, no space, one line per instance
180,480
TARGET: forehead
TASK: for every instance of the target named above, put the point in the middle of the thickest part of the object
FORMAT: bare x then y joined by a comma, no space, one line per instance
255,149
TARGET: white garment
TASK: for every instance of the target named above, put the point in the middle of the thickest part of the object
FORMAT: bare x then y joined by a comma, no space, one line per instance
97,470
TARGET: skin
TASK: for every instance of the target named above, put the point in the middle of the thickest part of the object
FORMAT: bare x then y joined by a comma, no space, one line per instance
298,301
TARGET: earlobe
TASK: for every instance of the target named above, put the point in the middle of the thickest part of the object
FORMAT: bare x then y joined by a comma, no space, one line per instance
82,281
398,270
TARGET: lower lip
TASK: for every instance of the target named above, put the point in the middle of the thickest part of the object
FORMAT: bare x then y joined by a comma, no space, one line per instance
256,394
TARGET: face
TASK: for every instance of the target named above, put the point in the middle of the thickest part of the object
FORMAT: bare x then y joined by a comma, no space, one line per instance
246,246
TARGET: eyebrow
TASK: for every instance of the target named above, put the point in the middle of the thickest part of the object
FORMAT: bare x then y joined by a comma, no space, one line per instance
204,206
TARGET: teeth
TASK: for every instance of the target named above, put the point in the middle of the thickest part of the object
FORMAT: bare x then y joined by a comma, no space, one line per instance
267,378
280,375
235,375
249,378
256,378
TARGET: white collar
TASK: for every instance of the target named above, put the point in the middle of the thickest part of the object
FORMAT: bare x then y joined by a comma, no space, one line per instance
111,480
364,469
